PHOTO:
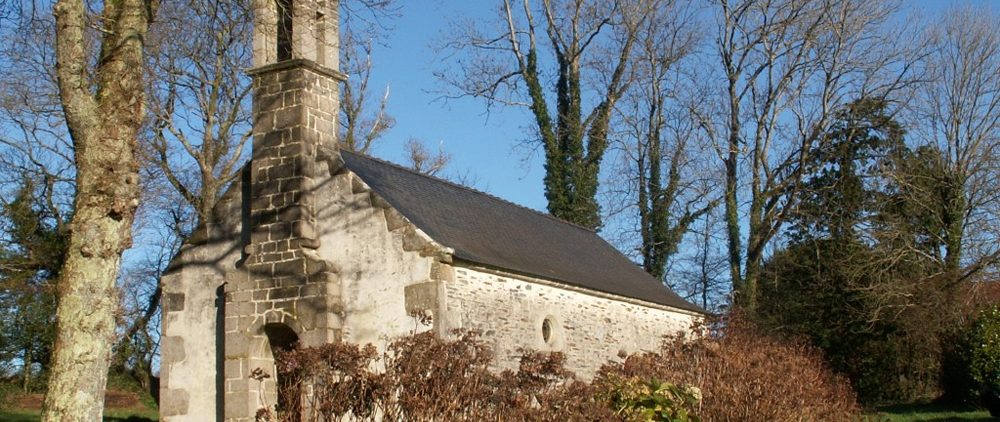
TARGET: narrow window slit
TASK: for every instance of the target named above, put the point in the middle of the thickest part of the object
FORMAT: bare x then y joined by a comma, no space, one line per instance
284,29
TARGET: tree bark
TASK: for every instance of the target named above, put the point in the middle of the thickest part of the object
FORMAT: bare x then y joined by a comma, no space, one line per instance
103,117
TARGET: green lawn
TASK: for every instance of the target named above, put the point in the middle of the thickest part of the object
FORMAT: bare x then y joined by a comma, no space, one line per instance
114,415
932,412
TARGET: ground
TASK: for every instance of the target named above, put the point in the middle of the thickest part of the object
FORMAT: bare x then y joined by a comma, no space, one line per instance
138,412
129,404
932,412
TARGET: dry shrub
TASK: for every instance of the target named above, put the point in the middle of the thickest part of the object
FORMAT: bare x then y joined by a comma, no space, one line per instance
436,380
340,376
745,374
424,378
433,379
741,374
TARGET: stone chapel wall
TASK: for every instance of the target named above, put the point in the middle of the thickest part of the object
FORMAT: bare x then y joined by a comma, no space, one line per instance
522,312
385,270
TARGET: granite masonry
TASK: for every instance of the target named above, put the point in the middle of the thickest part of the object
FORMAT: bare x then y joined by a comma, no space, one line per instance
316,245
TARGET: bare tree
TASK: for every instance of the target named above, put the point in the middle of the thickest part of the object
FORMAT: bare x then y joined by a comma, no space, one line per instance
657,129
424,161
785,67
199,98
103,103
360,125
199,95
35,143
958,112
704,277
588,44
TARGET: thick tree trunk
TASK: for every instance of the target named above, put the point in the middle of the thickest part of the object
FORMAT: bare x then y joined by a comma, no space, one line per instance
103,123
85,323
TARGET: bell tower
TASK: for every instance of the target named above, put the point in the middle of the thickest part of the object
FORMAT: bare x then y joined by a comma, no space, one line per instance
285,293
296,29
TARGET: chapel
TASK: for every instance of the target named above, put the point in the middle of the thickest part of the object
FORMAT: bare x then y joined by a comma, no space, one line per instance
315,244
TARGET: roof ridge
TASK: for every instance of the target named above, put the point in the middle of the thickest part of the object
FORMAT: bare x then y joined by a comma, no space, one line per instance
467,188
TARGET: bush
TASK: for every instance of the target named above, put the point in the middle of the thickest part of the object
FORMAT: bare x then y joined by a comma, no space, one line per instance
978,359
735,374
637,399
745,374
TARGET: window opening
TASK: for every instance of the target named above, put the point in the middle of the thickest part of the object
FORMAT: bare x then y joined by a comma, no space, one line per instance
547,330
284,30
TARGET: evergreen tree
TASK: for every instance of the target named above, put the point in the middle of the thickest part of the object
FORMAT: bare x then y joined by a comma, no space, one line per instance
858,277
33,250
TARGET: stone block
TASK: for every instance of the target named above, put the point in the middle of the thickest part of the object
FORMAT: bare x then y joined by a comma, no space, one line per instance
442,272
294,184
284,171
260,203
234,369
303,229
291,149
293,213
421,297
288,117
173,302
264,283
237,345
172,349
174,402
312,289
293,267
265,188
283,293
259,295
279,231
240,296
238,404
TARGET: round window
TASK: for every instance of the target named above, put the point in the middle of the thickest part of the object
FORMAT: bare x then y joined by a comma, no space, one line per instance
547,330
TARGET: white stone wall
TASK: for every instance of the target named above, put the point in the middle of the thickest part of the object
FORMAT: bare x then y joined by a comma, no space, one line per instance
373,267
589,327
190,339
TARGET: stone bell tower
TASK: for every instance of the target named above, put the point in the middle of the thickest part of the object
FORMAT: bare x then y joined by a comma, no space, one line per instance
285,293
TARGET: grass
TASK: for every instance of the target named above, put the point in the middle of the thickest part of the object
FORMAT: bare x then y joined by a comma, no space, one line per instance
931,412
114,415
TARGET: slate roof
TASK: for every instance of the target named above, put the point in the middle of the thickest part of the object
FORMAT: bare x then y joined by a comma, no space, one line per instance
495,233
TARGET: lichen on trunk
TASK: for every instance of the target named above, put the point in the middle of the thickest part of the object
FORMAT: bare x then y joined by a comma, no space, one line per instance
103,107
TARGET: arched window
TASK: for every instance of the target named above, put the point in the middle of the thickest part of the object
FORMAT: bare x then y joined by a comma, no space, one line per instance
284,30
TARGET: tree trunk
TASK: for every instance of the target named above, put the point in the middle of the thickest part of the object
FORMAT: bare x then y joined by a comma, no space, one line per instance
26,369
103,121
731,200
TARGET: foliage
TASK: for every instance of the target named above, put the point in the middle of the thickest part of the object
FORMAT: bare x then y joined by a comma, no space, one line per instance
637,399
30,258
979,354
862,277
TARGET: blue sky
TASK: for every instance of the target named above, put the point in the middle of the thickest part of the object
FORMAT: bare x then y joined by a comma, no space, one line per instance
482,146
